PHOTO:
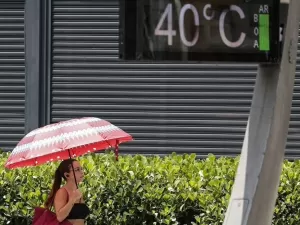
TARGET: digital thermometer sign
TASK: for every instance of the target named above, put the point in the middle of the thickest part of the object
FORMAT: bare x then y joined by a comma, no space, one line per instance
200,30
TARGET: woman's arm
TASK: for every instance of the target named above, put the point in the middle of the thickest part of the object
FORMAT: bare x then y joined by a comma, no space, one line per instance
62,205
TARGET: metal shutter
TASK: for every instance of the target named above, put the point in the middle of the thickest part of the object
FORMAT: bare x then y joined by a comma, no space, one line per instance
12,73
293,142
166,107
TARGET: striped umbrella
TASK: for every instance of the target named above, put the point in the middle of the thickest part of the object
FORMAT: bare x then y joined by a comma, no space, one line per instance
64,140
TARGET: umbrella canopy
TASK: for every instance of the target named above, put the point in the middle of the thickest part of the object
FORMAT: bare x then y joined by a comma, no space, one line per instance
66,139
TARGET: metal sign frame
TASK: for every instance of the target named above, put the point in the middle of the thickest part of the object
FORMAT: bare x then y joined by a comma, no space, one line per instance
134,46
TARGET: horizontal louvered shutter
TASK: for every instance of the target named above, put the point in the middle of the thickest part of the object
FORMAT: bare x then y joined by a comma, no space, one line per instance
182,108
12,73
293,142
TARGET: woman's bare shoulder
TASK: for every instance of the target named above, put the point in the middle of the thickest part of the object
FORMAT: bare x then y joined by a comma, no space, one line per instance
61,193
61,199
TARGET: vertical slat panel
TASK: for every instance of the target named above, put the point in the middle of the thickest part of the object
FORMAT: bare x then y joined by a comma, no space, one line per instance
200,108
12,73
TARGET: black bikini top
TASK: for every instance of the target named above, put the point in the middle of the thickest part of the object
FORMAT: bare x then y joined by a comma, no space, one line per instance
78,211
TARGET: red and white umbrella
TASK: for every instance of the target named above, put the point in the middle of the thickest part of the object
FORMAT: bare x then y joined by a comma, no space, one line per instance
66,139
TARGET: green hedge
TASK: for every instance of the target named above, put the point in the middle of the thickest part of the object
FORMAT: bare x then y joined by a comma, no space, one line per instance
144,190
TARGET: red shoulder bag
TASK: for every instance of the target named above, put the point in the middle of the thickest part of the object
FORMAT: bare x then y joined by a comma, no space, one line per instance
44,216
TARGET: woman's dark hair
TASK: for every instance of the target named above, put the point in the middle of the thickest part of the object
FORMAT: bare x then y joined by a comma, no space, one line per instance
64,167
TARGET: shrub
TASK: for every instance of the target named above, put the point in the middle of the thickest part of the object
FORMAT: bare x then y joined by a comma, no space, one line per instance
177,189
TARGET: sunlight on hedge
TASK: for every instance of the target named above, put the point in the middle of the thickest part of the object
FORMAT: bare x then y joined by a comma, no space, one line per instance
177,189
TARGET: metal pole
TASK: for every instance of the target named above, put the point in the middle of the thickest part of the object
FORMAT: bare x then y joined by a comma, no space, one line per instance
73,169
256,183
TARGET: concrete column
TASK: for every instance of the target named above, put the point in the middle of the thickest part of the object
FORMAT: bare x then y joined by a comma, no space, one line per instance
256,183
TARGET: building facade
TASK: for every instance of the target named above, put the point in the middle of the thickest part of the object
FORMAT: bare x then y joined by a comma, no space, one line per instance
62,62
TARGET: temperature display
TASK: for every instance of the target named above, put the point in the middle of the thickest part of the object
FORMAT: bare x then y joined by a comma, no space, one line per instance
204,30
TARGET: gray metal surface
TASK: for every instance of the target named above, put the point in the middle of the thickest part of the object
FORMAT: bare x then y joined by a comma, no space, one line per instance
33,64
166,107
12,73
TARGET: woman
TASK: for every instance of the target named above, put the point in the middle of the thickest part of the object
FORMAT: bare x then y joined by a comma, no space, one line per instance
67,200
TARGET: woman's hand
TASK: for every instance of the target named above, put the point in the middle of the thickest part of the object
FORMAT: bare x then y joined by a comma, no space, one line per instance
75,195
